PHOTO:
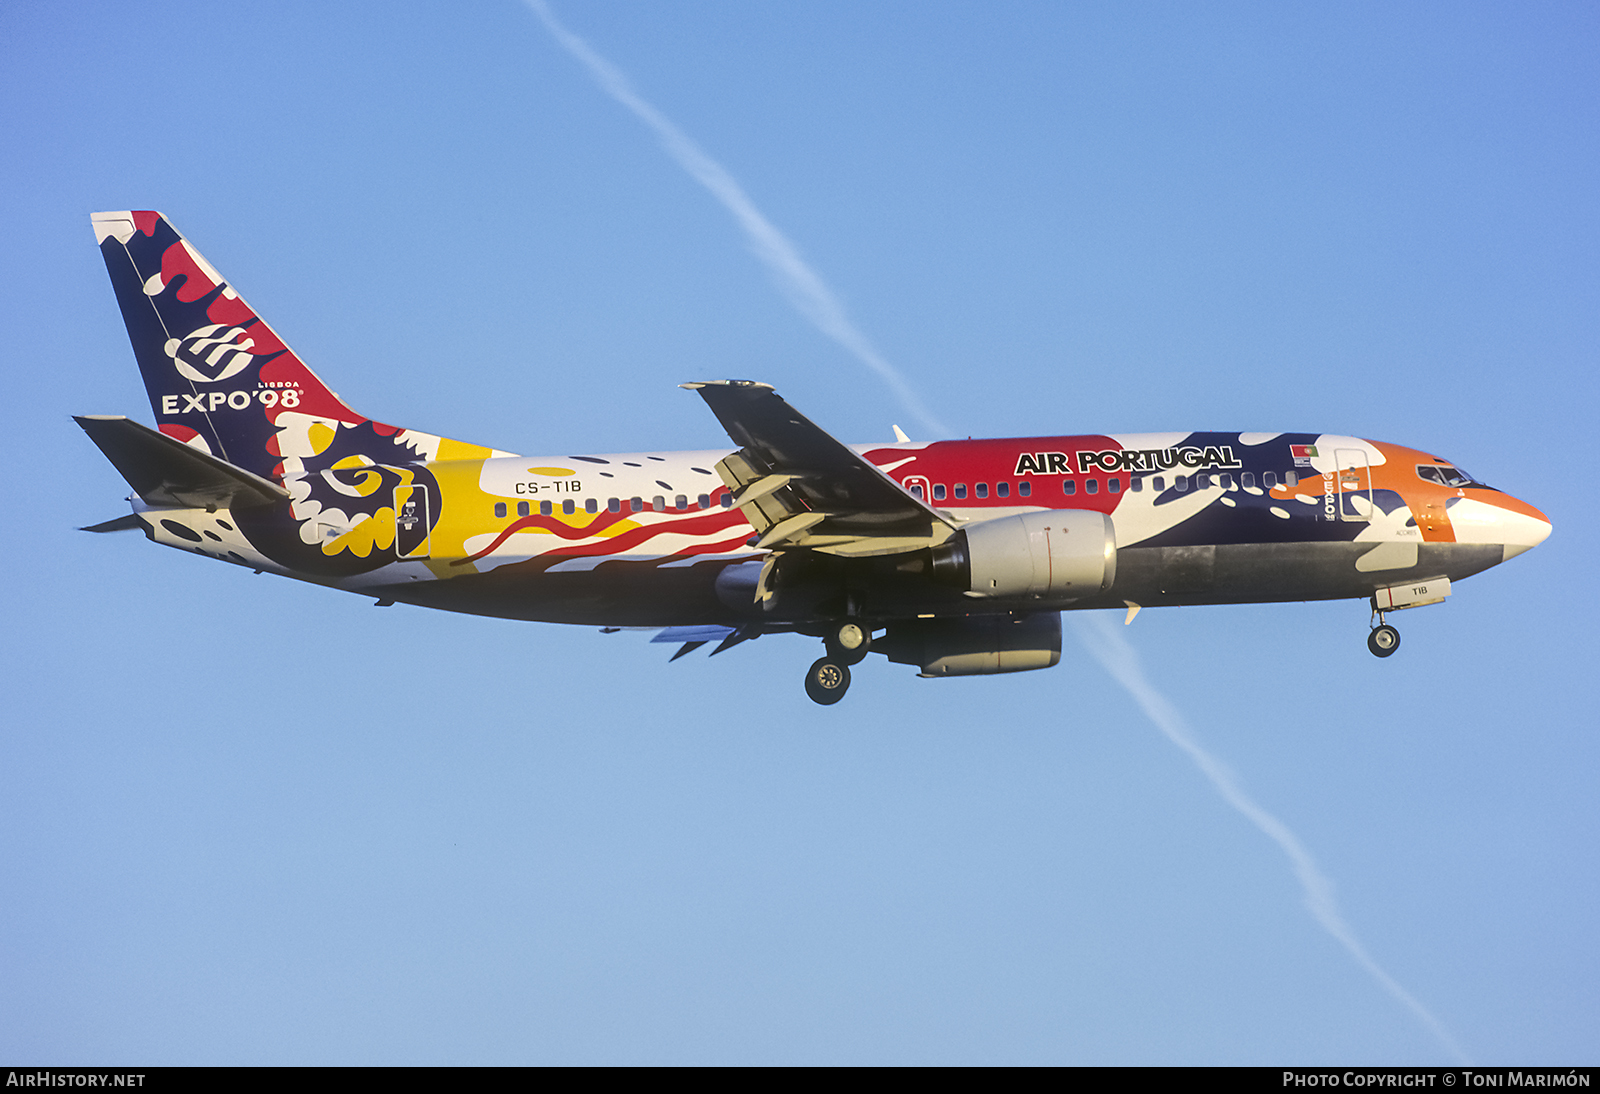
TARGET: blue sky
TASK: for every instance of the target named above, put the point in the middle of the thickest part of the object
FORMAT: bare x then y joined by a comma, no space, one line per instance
249,821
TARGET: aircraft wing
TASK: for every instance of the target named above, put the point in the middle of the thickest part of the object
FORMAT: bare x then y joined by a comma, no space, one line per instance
167,472
798,487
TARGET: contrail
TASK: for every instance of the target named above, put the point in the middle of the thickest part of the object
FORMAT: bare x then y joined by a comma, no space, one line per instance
806,291
812,297
1106,643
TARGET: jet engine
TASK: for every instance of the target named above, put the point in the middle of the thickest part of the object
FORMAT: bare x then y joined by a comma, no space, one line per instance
978,645
1062,553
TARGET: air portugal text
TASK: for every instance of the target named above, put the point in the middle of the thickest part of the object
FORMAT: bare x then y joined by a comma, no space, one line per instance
1125,459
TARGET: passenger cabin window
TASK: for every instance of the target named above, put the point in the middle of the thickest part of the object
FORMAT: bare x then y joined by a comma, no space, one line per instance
982,489
614,504
1069,486
938,491
680,503
961,489
705,501
727,501
1291,479
1202,481
590,505
1092,486
916,491
1114,486
522,508
1135,485
1248,480
1269,479
658,503
1158,484
1225,481
1024,489
1002,489
568,506
1180,483
499,508
636,504
545,509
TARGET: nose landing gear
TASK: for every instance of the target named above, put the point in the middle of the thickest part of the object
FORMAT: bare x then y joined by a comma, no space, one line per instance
1384,639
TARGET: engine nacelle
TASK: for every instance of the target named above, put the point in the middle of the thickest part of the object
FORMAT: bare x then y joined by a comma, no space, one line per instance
978,645
1065,552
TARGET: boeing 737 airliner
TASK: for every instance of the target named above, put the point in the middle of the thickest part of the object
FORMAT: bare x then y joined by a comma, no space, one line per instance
957,557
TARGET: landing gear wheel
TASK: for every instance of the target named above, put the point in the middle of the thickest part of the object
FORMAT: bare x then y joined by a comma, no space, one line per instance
848,643
1383,640
827,681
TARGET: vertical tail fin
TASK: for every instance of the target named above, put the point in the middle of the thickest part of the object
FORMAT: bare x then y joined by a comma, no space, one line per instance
219,378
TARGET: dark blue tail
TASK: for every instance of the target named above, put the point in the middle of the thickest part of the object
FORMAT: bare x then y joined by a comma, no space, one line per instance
219,378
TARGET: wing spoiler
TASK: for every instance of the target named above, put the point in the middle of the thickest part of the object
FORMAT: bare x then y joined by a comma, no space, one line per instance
167,473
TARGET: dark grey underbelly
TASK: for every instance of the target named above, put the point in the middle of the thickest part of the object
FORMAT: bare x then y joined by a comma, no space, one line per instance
620,593
1254,572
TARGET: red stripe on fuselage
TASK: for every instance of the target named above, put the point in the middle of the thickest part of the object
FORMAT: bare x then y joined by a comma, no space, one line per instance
991,462
705,524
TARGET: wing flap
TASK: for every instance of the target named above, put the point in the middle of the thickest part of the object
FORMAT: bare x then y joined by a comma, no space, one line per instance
799,487
706,632
763,486
168,473
790,530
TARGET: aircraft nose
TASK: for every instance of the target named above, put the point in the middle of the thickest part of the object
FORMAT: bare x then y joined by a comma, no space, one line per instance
1493,518
1521,526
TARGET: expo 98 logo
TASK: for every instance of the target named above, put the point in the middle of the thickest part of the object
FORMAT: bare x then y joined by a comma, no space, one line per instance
211,354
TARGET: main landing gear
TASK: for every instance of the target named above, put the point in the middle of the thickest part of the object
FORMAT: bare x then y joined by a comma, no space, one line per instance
829,677
1384,639
848,642
827,681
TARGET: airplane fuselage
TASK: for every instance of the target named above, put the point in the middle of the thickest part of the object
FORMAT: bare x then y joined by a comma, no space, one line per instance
639,539
961,553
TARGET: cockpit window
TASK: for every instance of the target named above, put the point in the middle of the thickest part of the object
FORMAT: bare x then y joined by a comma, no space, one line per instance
1445,475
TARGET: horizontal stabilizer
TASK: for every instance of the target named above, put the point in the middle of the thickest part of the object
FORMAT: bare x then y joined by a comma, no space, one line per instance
168,473
128,523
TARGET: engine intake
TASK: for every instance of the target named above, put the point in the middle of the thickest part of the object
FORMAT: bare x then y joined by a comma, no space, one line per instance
1062,553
